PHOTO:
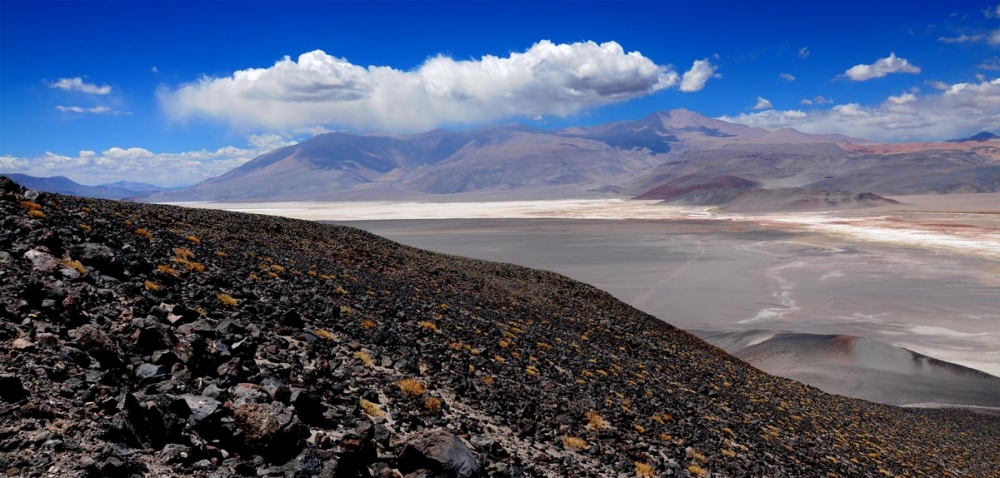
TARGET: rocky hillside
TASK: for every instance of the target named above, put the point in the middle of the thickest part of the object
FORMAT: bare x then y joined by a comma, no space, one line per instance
143,340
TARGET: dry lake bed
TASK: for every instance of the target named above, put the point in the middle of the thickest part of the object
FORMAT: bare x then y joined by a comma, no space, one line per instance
923,276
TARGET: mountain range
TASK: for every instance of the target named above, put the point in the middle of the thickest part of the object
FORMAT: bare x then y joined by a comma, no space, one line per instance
64,185
619,159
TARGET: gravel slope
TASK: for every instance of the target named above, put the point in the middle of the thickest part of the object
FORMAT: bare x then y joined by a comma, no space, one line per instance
186,342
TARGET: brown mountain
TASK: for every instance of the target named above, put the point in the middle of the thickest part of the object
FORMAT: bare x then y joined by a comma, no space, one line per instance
619,159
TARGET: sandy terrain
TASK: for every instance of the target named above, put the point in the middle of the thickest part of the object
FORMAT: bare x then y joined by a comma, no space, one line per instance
923,275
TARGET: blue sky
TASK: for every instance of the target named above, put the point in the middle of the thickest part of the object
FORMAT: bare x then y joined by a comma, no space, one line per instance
174,92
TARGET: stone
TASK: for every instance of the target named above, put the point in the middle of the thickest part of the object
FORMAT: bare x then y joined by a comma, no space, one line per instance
99,345
42,261
440,452
202,408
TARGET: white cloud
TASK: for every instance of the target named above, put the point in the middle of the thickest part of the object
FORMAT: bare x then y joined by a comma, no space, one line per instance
993,38
993,64
762,104
320,89
154,69
803,53
959,110
695,78
80,109
881,68
992,12
902,99
787,77
140,164
818,100
77,84
94,109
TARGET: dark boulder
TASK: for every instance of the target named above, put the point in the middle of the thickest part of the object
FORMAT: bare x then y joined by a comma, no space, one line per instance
438,451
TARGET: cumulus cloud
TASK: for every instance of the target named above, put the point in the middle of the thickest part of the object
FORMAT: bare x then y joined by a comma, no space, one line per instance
762,104
993,64
803,53
959,110
787,77
320,89
77,84
695,78
881,68
140,164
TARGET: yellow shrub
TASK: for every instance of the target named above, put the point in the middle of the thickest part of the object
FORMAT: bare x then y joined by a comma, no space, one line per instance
697,470
150,285
143,233
531,370
575,442
371,409
227,299
323,334
411,387
85,227
30,205
36,213
74,265
428,325
595,422
194,239
368,324
432,403
166,269
365,358
644,470
183,253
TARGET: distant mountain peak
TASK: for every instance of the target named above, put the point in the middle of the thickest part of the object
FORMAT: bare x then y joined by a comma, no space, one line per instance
981,136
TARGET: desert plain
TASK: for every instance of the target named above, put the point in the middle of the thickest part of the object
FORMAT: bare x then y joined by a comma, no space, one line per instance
879,303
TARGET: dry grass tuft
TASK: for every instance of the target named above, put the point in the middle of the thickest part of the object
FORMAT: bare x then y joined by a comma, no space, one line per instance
411,387
194,239
428,325
183,253
697,470
220,254
575,442
644,470
365,358
371,409
75,265
432,404
166,269
595,421
85,227
323,334
143,233
531,370
36,213
85,209
31,205
369,324
227,299
150,285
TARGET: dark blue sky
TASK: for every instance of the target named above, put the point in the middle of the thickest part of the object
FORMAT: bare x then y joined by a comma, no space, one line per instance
147,52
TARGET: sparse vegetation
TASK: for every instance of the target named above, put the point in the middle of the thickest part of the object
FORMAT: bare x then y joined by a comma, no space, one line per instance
365,358
368,324
166,269
595,421
644,470
143,233
575,442
36,213
372,409
75,265
697,470
227,299
411,387
432,404
323,334
426,324
194,239
153,286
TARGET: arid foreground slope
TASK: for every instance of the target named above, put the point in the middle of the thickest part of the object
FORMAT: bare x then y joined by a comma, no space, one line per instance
120,356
